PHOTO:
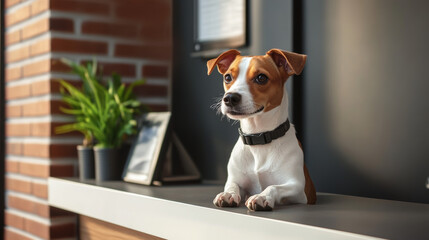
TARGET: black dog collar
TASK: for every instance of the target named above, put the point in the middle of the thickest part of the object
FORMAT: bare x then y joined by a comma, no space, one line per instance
265,137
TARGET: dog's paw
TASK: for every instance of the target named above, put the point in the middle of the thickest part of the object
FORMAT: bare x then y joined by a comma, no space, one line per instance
226,199
260,203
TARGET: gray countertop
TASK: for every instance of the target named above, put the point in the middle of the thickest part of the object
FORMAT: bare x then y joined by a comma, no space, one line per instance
363,216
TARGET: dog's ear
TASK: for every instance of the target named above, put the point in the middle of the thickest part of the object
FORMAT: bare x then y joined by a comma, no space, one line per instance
222,62
292,62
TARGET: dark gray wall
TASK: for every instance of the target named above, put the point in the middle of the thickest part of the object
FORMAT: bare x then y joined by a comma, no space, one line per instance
366,108
208,138
366,97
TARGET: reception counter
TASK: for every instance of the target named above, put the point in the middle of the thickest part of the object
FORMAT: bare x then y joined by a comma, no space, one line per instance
187,212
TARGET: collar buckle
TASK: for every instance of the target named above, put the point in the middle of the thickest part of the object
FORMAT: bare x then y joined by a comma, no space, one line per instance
267,137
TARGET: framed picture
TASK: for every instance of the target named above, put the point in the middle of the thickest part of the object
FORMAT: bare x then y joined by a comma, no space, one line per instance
219,25
148,147
178,166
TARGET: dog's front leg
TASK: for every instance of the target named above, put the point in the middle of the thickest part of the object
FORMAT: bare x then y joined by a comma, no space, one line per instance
265,201
230,197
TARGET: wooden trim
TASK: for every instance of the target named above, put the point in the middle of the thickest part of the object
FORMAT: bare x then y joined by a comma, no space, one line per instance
93,229
2,116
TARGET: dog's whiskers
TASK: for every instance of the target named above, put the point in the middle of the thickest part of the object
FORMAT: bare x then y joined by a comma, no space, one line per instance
217,105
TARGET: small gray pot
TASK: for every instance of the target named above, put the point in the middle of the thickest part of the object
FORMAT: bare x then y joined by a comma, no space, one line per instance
86,162
107,165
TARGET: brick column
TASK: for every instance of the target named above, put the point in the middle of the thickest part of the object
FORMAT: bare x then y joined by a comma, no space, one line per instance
130,37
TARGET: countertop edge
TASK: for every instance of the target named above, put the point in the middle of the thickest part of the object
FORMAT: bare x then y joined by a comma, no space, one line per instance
184,221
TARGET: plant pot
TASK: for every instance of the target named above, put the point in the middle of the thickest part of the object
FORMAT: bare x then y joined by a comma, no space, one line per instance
107,164
86,162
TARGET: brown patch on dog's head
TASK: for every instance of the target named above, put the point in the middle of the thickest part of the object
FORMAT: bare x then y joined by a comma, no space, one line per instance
278,66
269,94
233,70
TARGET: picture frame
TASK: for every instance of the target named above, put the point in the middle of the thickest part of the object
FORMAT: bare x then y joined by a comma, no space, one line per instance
214,28
150,145
177,166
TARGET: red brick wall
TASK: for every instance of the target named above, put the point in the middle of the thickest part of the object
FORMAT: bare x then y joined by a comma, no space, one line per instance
130,37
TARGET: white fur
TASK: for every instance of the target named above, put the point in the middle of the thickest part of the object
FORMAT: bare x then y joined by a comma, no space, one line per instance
269,174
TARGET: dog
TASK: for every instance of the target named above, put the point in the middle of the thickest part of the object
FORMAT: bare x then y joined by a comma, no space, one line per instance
267,163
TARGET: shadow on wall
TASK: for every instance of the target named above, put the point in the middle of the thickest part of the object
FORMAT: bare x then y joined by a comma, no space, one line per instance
366,107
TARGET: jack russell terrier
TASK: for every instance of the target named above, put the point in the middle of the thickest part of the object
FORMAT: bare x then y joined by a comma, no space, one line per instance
267,162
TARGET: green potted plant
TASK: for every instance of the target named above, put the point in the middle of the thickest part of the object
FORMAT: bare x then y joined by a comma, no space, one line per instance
77,100
106,112
119,108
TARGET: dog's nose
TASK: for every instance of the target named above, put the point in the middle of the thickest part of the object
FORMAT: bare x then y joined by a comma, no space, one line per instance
232,99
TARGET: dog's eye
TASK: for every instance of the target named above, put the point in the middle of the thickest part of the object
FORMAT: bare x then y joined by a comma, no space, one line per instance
228,78
261,79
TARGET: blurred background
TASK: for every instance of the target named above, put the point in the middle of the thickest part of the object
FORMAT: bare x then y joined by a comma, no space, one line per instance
363,95
360,107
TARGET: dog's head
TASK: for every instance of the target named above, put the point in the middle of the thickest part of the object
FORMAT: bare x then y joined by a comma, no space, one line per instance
254,85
